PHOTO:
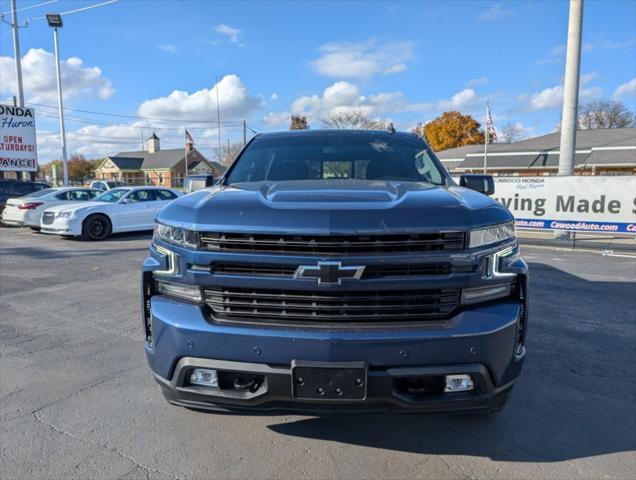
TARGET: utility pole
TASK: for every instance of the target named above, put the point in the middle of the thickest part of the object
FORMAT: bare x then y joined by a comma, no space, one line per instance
218,118
569,117
55,21
244,133
16,53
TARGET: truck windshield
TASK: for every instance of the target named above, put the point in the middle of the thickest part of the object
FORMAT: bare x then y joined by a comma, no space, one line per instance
334,156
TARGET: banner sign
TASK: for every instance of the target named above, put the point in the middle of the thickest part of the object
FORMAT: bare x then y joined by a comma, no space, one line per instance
582,204
18,150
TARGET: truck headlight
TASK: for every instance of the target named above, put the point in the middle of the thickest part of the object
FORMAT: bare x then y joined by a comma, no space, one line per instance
489,235
182,291
176,235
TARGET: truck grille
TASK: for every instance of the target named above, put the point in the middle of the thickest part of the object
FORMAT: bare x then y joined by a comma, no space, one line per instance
47,218
333,244
334,306
371,271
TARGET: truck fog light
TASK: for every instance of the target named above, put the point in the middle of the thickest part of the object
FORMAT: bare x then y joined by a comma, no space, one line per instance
483,294
459,383
205,377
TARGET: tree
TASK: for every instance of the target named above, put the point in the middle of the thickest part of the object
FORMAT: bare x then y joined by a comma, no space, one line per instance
228,156
452,129
353,119
299,122
605,114
46,169
512,132
78,168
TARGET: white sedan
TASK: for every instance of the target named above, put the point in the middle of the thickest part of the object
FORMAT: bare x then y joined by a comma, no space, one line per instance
27,210
125,209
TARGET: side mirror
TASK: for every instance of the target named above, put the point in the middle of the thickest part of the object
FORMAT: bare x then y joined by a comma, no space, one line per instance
480,183
209,181
127,200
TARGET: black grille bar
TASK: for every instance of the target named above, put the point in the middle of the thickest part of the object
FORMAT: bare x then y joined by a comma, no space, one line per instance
371,271
333,244
336,306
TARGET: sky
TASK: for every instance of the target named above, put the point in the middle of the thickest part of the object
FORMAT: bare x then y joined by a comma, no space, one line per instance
134,67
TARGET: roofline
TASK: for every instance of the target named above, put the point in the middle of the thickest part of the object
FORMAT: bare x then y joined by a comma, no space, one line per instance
550,152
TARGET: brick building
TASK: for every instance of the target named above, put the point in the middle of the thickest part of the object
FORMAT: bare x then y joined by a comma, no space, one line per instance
156,166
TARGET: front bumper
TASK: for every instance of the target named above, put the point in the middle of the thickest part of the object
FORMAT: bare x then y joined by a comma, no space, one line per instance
480,342
63,226
274,396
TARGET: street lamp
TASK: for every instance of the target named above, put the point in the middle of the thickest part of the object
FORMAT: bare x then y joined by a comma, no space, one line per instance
55,21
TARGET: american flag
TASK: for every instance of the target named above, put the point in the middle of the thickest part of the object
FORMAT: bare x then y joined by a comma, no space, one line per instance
189,138
490,125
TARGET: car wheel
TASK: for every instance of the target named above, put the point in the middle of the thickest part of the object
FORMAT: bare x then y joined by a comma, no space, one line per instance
96,227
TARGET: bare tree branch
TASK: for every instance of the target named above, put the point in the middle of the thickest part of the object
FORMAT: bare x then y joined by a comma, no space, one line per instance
512,132
354,119
605,114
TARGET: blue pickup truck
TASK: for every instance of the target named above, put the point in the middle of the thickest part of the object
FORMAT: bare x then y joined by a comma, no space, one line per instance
336,271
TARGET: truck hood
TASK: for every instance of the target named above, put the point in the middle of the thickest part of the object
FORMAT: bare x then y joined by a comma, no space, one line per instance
334,207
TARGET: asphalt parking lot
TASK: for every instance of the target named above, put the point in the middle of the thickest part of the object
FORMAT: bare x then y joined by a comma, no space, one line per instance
77,399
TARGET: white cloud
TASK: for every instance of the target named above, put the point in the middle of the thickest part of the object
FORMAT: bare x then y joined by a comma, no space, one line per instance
275,119
495,12
588,77
233,35
461,99
274,96
550,98
397,68
362,60
339,97
168,48
346,97
477,81
39,78
625,89
236,103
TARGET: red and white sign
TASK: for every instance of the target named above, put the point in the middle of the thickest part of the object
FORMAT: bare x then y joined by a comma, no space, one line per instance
18,149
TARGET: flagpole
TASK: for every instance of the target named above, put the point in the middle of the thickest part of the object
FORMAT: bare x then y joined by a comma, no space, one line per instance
185,147
487,138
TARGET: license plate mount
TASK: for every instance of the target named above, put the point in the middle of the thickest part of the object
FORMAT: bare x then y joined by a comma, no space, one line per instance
329,381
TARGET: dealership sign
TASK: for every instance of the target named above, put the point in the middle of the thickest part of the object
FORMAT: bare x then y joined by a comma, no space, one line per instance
585,204
18,150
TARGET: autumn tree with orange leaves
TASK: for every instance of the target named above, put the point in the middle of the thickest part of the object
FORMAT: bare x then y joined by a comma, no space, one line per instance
453,129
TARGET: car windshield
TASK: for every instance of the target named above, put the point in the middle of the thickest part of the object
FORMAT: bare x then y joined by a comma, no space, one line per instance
337,156
40,193
112,196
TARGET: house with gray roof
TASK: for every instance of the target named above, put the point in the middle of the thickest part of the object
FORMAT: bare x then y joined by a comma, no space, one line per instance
608,151
156,166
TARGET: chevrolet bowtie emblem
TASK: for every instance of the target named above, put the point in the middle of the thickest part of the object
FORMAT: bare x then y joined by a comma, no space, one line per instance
328,273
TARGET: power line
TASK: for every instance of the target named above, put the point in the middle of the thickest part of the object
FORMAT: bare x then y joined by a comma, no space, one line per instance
30,7
92,121
77,10
137,117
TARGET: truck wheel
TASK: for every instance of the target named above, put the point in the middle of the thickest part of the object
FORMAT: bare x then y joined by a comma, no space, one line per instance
96,227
